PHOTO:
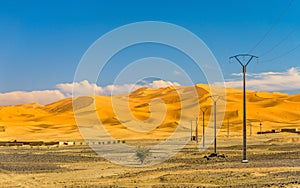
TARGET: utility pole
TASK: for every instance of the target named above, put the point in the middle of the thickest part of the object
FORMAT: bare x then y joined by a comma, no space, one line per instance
191,130
227,127
260,127
203,115
250,128
215,98
241,60
196,130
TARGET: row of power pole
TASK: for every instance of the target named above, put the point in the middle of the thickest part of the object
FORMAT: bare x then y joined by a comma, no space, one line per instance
215,98
196,138
203,110
243,60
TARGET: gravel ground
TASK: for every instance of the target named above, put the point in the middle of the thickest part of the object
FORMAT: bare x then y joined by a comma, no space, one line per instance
39,160
78,166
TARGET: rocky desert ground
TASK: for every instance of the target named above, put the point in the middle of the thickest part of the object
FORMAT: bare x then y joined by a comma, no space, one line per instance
274,161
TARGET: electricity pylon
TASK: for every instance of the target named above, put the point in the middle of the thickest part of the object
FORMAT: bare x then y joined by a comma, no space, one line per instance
250,124
203,136
196,137
191,130
241,60
260,128
227,127
215,98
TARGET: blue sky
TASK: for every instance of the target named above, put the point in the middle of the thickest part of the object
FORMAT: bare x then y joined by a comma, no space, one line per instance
42,42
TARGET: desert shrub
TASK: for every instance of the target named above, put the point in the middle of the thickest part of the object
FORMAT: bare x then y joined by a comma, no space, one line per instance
142,153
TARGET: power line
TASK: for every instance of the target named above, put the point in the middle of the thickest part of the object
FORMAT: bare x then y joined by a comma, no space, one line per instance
271,28
282,55
279,43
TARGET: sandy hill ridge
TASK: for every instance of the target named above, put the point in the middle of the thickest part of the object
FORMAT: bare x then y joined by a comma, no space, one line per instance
56,121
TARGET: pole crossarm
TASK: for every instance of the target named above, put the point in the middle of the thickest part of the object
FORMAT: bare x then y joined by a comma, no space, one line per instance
237,57
215,98
203,109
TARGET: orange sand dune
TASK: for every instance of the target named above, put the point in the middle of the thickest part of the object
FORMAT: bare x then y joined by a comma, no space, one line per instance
56,121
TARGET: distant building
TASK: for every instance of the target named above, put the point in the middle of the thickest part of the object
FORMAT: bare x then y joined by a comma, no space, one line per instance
2,129
289,130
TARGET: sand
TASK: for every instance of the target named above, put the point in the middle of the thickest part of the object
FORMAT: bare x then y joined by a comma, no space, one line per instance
273,158
56,122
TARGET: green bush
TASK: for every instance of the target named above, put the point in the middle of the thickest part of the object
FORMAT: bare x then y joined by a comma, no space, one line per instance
142,153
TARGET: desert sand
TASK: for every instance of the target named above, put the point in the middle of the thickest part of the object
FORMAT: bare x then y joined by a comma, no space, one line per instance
56,122
273,158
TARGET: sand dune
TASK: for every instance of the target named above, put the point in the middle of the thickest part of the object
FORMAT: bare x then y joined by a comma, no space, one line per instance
56,121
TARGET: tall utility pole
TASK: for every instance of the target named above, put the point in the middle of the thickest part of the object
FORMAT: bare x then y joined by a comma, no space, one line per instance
215,98
203,115
241,60
196,130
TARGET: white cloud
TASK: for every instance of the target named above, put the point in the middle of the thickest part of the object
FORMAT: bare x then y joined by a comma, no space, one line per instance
160,84
266,81
237,74
82,88
176,72
86,88
270,81
22,97
119,89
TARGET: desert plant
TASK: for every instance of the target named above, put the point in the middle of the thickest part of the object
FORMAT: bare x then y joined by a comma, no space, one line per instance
142,152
